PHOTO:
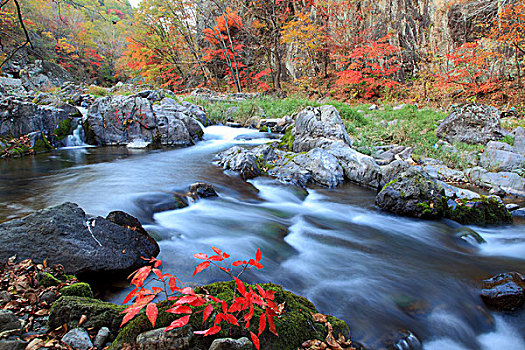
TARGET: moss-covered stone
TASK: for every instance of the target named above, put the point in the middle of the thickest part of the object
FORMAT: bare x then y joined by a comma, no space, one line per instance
63,129
288,138
46,279
80,289
294,326
69,309
481,211
89,133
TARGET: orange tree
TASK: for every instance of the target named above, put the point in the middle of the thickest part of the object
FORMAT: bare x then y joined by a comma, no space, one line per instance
509,29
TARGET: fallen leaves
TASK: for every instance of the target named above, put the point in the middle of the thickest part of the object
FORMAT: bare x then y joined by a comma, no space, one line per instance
330,342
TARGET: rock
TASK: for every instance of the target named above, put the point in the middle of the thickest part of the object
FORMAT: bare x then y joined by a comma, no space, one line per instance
505,291
45,279
202,190
519,140
8,321
44,75
231,344
127,221
18,117
157,339
48,297
65,235
101,338
519,213
469,235
373,108
68,310
123,119
416,194
391,171
5,297
511,207
499,156
511,183
79,289
399,107
471,123
412,194
294,326
78,339
358,168
444,173
385,158
240,160
13,344
316,166
319,127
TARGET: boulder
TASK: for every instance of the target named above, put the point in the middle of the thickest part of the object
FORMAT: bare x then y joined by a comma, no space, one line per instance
416,194
122,119
509,182
65,235
319,127
8,321
231,344
240,160
202,190
519,140
499,156
19,117
101,338
471,123
358,168
43,75
69,309
316,166
505,291
413,194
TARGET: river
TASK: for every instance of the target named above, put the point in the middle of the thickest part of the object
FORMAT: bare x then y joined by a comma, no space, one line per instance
381,273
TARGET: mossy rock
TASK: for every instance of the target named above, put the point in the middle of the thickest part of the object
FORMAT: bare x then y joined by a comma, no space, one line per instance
482,211
80,289
288,138
45,279
69,309
63,129
294,326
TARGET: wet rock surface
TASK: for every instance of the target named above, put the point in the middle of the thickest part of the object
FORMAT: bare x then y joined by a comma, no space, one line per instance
66,235
504,292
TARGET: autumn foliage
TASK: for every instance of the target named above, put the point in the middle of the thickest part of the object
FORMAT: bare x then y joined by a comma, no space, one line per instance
187,303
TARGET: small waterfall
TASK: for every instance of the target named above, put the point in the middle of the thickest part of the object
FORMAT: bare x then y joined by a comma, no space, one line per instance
78,137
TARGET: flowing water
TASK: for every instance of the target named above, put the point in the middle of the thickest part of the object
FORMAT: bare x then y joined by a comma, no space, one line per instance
381,273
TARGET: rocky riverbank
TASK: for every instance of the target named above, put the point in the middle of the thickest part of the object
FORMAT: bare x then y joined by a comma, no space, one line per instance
317,149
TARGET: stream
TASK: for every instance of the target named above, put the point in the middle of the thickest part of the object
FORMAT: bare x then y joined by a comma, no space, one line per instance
381,273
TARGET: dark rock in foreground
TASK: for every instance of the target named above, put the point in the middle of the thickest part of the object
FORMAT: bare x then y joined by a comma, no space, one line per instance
505,291
66,235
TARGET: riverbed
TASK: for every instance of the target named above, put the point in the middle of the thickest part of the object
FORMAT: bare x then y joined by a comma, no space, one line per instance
381,273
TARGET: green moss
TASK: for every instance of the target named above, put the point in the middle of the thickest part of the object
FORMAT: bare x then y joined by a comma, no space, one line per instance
264,128
390,183
63,129
263,165
288,138
294,326
69,309
46,279
80,289
90,134
482,211
42,145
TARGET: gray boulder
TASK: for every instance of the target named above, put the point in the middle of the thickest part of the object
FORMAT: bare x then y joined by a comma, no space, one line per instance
65,235
240,160
19,117
124,119
8,321
157,339
43,75
499,156
509,182
358,168
78,339
471,123
319,127
519,140
231,344
412,194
